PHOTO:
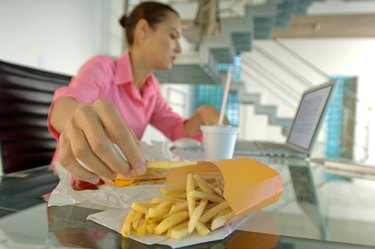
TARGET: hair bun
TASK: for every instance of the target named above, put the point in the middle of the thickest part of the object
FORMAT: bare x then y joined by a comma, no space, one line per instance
122,21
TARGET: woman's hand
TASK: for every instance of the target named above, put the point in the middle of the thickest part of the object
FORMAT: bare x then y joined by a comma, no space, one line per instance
204,115
89,134
210,116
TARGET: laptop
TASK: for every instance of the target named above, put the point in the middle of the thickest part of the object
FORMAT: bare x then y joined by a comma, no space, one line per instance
304,130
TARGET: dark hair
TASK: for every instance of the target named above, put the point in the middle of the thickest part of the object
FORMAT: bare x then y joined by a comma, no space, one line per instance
153,12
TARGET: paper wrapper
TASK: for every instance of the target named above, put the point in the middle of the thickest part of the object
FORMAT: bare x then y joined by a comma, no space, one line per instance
248,186
108,196
114,219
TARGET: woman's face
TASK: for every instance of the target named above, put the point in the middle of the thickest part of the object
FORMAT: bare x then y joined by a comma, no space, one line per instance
162,45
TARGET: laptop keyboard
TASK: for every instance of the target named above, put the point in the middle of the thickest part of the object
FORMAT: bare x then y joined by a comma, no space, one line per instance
270,146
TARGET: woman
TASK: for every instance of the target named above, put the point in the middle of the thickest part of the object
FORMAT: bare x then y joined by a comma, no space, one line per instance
112,100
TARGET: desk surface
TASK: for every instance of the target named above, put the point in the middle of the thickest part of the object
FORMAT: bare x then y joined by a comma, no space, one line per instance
318,209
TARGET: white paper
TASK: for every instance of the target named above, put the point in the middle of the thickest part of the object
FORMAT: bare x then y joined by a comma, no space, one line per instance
105,197
108,196
114,219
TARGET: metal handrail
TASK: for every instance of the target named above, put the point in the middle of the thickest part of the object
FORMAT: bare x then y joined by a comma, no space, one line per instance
292,93
285,100
282,65
299,57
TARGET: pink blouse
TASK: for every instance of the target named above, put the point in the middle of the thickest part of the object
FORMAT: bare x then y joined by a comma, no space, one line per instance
111,79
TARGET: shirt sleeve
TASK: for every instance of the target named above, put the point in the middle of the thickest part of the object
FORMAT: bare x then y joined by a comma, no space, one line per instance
87,85
166,120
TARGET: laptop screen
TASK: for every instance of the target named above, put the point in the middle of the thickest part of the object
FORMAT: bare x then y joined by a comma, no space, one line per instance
309,115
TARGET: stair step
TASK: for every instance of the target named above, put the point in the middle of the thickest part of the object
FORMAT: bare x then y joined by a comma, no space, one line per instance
223,55
285,12
269,110
249,98
189,74
242,41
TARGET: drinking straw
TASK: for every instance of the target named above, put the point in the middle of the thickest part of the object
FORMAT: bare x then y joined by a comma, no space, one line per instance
225,98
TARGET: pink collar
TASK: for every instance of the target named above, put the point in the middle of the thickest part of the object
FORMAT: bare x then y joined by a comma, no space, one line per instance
124,75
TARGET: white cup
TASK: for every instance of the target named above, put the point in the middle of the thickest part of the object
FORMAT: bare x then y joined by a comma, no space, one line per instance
219,141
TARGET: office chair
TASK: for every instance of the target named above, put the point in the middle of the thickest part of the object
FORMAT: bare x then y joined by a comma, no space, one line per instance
25,96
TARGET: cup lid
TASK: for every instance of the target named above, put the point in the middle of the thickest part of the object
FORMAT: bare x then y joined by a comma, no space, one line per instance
219,129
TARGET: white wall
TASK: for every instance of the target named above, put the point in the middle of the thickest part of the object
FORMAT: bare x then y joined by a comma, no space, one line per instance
52,34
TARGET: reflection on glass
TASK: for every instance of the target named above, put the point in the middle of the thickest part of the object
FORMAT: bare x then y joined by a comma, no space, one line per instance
70,226
307,196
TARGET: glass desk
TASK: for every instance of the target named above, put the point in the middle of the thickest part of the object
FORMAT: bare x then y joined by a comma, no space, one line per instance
318,209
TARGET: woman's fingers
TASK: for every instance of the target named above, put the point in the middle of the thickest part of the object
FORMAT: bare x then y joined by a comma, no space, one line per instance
210,115
98,138
133,152
82,152
86,145
124,137
69,162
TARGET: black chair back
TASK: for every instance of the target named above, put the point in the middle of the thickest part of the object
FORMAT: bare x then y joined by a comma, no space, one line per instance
25,97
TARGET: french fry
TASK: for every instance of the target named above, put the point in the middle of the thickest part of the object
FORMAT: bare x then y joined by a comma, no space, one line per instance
150,227
179,206
218,190
178,226
203,184
140,207
202,229
161,210
180,231
223,212
136,218
141,229
171,221
183,224
190,186
213,211
165,204
172,191
158,213
158,200
202,195
167,164
126,227
220,221
194,218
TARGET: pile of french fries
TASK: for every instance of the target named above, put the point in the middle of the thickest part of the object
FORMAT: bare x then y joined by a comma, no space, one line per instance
199,205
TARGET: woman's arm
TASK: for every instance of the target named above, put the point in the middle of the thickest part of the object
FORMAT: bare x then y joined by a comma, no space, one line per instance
87,133
204,115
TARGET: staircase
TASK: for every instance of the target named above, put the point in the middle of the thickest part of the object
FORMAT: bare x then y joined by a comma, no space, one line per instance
237,36
269,110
